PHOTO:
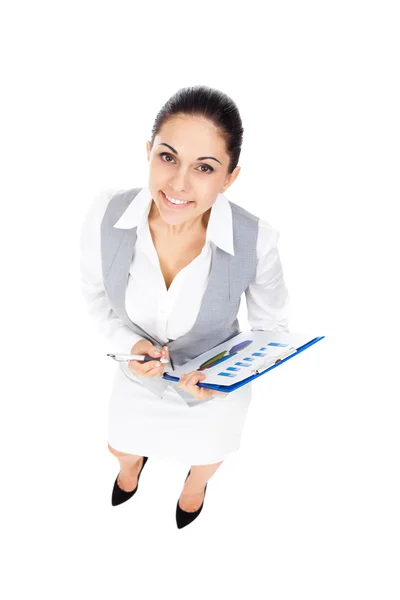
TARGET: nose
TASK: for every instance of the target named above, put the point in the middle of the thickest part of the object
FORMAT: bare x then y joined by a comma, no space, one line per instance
180,183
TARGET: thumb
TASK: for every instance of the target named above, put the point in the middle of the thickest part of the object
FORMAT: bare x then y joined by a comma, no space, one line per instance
153,351
201,376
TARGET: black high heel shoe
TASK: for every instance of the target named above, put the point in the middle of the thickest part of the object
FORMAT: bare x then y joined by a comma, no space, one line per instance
183,518
118,495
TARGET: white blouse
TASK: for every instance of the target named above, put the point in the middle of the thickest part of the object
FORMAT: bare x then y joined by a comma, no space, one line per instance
169,314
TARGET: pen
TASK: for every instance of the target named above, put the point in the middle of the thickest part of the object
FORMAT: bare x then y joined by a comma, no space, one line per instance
141,357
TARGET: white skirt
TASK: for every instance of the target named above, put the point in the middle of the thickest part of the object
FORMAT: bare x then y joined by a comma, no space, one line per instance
141,423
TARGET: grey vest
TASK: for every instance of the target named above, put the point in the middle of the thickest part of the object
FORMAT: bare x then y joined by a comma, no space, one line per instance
230,276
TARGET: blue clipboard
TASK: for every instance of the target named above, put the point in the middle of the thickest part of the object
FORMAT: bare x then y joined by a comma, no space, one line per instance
235,386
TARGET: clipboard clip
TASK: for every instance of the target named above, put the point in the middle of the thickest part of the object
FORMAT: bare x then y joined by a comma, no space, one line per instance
272,361
262,368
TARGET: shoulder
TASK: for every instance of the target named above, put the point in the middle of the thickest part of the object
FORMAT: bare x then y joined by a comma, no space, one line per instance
265,229
268,237
267,232
241,213
90,227
100,202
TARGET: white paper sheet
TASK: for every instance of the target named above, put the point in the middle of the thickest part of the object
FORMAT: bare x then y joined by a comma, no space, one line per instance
243,355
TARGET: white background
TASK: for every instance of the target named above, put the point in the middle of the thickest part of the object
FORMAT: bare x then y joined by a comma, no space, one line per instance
309,507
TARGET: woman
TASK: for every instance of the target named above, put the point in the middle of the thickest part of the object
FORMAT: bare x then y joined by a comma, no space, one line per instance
163,269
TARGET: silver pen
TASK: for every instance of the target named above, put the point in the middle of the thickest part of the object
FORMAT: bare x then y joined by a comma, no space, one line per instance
141,357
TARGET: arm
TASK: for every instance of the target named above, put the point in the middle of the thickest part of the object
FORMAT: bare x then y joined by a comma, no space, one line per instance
117,336
267,297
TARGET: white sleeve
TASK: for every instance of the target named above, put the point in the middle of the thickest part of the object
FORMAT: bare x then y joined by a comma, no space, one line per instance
117,336
267,297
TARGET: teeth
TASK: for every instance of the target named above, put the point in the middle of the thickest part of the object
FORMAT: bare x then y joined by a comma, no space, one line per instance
175,201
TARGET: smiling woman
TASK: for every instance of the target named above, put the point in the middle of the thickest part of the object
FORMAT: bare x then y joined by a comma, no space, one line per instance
203,132
165,265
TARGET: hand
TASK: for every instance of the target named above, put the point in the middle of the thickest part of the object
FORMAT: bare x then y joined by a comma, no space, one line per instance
152,368
188,383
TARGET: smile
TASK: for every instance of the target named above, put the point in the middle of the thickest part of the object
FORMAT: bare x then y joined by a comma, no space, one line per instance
173,203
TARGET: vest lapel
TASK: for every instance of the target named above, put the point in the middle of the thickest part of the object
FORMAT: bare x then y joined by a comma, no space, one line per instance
118,274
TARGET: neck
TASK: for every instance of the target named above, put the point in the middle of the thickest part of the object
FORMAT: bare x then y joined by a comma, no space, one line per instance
192,226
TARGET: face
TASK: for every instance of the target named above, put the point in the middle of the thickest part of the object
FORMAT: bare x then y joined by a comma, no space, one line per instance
188,162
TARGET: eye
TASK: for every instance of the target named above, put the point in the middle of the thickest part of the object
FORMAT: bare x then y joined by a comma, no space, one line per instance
166,155
207,168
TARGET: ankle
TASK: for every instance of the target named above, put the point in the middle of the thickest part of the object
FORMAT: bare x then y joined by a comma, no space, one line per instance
193,486
131,467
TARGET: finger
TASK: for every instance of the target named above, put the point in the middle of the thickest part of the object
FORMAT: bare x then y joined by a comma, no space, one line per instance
206,393
190,374
188,377
194,378
191,382
182,380
153,364
132,365
154,352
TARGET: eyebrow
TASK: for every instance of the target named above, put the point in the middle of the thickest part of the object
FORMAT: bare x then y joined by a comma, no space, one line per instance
200,157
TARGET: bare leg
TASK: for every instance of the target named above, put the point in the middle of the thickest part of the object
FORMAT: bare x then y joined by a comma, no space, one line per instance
130,468
193,491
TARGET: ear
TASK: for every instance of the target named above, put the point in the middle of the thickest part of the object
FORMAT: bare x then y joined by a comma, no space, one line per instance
230,179
148,150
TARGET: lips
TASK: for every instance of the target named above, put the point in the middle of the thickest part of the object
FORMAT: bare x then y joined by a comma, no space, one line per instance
171,205
181,199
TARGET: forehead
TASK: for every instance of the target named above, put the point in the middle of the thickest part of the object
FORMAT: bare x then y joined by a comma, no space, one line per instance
191,133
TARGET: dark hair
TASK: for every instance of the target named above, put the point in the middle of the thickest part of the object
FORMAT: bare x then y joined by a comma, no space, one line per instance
201,100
